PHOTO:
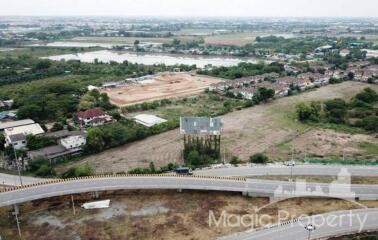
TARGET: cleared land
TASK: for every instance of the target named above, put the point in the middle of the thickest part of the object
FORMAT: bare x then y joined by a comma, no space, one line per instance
164,215
120,40
164,85
236,39
262,128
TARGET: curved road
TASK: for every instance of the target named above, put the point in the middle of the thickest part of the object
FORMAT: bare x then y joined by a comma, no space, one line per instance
274,189
336,224
298,170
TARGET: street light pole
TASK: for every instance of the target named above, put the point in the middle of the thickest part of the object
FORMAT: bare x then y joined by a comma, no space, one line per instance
18,165
310,228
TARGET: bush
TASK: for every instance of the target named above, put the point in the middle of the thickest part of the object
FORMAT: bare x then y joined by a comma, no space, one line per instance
235,160
79,171
45,171
258,158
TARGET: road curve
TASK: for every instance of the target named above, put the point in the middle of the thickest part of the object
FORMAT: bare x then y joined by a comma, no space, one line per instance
298,170
273,189
14,180
339,224
90,184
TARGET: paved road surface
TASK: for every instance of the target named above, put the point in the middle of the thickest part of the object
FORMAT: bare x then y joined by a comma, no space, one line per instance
346,223
307,170
14,180
253,187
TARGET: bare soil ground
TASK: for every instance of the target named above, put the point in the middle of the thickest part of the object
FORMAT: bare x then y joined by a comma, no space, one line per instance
165,85
151,215
257,129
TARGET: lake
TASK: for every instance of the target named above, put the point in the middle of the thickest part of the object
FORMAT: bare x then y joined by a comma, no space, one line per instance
150,59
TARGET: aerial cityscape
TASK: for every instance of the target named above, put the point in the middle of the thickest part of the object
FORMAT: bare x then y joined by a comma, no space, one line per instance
189,120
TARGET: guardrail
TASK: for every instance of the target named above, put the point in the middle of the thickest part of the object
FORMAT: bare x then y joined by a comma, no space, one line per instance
53,181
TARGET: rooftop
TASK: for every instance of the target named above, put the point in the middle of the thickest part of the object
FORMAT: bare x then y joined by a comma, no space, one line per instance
148,120
13,124
34,129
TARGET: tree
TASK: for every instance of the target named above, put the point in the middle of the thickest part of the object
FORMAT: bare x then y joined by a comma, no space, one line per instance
368,95
258,158
95,140
38,142
194,158
336,110
263,94
350,76
309,112
369,123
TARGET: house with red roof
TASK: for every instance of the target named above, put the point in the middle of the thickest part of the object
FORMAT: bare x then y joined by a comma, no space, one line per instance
93,117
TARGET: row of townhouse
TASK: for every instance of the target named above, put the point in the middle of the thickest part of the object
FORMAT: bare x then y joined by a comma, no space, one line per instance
234,84
364,74
281,86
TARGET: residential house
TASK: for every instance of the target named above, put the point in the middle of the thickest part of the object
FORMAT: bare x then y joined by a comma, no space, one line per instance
16,136
73,142
93,117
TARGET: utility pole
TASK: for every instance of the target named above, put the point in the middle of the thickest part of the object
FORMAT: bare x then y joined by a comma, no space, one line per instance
73,205
15,213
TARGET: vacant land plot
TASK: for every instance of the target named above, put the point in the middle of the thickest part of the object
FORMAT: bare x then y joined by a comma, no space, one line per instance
330,144
154,215
165,85
236,39
262,128
119,40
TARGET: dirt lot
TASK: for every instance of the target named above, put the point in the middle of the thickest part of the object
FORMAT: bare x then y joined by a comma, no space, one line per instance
165,85
257,129
328,143
151,215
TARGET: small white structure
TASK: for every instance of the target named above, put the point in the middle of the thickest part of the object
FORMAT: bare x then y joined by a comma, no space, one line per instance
148,120
96,205
91,88
73,142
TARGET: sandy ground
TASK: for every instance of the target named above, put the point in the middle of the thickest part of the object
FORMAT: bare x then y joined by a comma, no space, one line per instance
152,215
248,131
165,85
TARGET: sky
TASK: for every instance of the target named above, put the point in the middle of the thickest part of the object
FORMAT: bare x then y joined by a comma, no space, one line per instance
191,8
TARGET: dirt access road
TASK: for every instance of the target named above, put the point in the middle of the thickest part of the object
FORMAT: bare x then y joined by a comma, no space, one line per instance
248,131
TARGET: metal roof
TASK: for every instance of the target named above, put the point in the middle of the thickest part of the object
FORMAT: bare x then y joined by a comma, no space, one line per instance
11,124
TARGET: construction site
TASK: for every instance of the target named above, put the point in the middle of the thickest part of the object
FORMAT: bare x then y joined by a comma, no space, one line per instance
156,87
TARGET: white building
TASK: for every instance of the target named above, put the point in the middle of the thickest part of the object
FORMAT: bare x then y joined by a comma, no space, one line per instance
73,142
18,141
148,120
16,136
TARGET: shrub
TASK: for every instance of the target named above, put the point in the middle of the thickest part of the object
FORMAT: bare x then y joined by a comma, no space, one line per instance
258,158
